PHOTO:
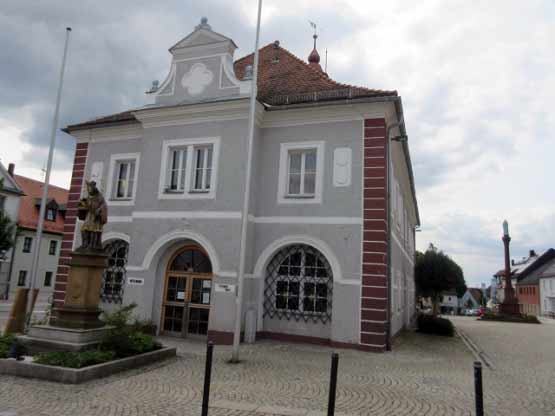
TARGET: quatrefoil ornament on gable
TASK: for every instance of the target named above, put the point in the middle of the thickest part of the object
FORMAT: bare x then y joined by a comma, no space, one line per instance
197,79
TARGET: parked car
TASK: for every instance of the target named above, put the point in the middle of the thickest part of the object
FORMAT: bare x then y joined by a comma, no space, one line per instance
472,312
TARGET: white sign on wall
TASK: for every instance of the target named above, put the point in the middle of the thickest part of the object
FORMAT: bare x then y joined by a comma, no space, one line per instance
225,288
135,281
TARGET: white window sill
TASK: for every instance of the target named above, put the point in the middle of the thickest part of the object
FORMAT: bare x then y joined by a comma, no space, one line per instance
299,196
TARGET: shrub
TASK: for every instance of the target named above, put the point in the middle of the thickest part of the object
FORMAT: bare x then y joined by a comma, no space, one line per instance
126,338
525,319
5,344
74,359
126,342
437,326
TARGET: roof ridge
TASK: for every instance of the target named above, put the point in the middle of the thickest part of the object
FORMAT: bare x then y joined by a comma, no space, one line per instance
40,182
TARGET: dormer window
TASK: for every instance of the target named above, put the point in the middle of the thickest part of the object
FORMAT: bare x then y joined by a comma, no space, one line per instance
51,214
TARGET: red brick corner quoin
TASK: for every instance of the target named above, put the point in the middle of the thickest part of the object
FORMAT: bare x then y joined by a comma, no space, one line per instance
69,227
373,301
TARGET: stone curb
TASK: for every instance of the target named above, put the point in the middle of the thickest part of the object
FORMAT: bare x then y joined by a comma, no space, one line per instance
79,375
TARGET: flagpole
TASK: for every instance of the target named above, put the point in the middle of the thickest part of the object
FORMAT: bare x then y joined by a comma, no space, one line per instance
246,198
36,251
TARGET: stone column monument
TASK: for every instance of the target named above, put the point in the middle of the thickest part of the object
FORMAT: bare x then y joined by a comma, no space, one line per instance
76,325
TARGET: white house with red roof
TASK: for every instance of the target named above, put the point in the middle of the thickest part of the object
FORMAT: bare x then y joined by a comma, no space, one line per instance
330,257
10,194
26,242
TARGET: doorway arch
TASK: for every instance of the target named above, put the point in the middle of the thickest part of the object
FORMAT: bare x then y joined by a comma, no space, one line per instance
187,293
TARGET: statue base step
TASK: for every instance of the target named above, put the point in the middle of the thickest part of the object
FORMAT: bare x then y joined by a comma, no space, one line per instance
44,338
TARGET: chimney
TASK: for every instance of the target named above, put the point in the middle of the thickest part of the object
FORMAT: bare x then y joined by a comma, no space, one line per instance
533,253
11,169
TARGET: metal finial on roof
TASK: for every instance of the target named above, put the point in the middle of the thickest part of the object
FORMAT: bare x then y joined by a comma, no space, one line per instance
203,24
314,57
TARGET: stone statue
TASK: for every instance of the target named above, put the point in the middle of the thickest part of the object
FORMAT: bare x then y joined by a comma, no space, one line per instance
94,211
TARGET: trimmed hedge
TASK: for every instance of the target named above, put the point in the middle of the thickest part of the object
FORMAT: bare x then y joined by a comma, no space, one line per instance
523,319
429,324
74,359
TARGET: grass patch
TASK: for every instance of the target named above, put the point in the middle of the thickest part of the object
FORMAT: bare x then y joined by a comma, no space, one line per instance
429,324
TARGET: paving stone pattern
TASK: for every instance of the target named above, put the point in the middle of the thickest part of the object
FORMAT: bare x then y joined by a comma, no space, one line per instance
423,376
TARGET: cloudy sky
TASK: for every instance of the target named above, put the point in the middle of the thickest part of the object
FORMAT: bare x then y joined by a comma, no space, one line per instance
476,79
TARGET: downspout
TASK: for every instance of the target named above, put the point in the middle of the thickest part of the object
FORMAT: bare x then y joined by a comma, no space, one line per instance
389,221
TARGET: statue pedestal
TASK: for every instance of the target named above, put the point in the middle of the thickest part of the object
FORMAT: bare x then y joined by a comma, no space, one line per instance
509,307
75,326
80,310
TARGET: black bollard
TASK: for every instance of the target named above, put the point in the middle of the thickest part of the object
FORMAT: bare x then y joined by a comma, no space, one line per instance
478,388
333,384
207,375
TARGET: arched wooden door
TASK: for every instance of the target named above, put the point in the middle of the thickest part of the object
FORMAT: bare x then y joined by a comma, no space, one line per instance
187,293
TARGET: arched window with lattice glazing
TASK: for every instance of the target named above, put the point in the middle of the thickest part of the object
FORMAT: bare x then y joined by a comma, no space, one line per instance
113,281
298,285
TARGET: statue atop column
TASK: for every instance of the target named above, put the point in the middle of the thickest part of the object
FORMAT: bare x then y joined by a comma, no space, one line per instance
94,211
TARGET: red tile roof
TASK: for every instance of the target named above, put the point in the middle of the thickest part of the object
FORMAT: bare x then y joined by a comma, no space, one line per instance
291,76
28,209
287,81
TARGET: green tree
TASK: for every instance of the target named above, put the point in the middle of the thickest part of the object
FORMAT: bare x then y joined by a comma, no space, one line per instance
435,273
7,229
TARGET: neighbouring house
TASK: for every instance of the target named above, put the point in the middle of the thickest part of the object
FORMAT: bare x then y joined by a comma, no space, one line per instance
547,290
527,287
473,298
10,195
517,266
26,242
319,224
449,303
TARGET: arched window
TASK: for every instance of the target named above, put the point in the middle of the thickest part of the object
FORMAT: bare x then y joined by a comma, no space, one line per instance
299,285
114,275
191,260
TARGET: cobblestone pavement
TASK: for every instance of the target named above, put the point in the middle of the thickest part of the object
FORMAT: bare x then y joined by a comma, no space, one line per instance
423,376
523,357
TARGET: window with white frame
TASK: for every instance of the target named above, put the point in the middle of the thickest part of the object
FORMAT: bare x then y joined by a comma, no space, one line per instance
188,168
203,168
301,172
176,173
122,184
125,171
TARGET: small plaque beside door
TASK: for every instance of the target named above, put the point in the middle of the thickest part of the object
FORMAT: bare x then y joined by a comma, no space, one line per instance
225,288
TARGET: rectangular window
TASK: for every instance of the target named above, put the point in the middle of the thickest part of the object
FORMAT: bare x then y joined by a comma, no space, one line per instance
48,279
315,297
27,244
203,168
189,168
301,168
122,178
125,179
176,174
52,248
50,214
2,202
22,278
301,173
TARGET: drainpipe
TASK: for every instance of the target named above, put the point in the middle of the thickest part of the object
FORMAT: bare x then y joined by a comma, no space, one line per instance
389,223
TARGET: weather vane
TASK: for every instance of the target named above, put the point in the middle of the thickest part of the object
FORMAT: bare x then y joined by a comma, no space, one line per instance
313,26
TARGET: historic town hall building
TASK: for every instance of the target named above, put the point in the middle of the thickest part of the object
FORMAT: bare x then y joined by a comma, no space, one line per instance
320,228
